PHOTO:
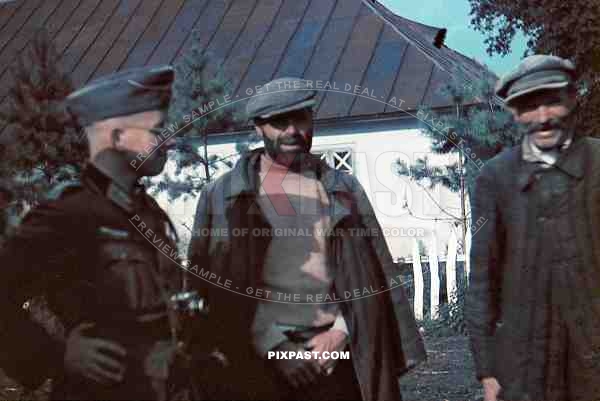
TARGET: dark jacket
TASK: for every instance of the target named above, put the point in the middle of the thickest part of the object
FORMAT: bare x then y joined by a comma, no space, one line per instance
503,254
84,253
384,339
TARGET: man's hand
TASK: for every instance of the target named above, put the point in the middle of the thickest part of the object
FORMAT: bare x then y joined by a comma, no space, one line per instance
491,389
331,340
297,372
86,356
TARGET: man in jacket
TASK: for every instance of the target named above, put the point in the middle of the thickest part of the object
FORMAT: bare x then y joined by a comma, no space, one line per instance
281,235
533,307
87,249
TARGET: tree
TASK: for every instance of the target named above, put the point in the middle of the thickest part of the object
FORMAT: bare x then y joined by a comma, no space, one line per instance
195,87
568,29
42,144
478,129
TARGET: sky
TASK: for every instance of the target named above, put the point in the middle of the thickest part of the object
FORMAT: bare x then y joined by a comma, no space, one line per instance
454,16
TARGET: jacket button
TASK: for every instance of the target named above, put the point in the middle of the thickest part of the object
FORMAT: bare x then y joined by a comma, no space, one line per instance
541,219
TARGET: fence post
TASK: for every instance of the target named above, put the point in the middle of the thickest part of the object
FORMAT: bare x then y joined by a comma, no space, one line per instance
418,280
467,251
451,287
434,270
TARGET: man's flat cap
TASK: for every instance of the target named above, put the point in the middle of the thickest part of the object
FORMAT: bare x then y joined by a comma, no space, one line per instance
280,96
122,93
535,73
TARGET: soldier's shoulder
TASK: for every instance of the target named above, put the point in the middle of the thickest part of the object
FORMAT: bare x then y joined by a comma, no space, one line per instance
60,208
64,190
68,197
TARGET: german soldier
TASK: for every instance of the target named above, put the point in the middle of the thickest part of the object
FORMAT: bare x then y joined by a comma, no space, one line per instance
100,252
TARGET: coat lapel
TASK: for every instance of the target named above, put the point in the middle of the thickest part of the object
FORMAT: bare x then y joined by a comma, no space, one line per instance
589,199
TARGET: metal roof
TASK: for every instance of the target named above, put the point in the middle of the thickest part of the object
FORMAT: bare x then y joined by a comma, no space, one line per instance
354,42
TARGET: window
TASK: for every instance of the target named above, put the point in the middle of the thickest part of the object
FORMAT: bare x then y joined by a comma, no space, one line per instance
339,159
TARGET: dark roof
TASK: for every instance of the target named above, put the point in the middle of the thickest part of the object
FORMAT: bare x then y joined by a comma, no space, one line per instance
356,42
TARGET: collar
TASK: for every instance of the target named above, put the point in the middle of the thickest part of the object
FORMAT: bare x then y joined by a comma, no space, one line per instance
106,186
571,160
531,153
245,180
340,187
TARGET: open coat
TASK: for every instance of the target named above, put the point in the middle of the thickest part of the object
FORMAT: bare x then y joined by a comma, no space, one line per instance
385,342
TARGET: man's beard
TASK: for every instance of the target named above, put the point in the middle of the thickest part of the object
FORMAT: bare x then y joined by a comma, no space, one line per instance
275,151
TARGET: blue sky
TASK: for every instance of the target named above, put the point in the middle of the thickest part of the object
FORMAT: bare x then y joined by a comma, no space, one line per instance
454,16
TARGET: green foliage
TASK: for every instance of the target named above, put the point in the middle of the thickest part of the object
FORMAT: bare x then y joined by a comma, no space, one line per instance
478,128
451,319
41,145
194,88
568,29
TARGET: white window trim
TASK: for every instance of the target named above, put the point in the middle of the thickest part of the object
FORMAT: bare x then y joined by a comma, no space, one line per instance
332,159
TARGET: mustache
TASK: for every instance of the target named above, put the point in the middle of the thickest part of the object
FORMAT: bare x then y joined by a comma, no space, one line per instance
552,124
293,140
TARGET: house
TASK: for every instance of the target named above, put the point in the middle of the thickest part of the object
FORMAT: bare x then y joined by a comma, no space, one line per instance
373,70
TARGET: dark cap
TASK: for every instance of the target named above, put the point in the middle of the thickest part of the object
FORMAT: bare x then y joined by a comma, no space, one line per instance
535,73
123,93
280,96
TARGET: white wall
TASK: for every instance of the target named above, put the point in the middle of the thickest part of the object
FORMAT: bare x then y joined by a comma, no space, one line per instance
374,155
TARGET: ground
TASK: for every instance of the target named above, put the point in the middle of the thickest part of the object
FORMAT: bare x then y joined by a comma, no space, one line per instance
446,376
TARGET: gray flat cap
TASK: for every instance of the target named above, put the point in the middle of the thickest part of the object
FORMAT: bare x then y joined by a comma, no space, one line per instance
123,93
535,73
280,96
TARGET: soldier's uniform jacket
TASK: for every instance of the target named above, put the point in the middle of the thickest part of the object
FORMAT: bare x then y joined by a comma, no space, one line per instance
98,254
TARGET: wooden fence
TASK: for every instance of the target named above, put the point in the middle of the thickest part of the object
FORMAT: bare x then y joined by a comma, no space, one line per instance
431,280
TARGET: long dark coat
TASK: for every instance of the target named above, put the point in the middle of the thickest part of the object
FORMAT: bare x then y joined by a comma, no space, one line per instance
384,339
503,255
80,250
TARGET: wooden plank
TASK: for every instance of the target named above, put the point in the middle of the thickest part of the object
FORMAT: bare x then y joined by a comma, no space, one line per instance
86,39
412,81
434,269
153,34
17,21
76,22
55,23
128,38
351,68
244,51
65,35
451,287
269,54
60,16
331,45
207,25
381,73
179,31
111,31
7,10
229,31
15,46
19,41
301,48
418,280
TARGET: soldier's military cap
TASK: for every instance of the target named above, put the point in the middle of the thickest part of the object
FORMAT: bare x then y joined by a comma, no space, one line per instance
122,93
533,74
280,96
